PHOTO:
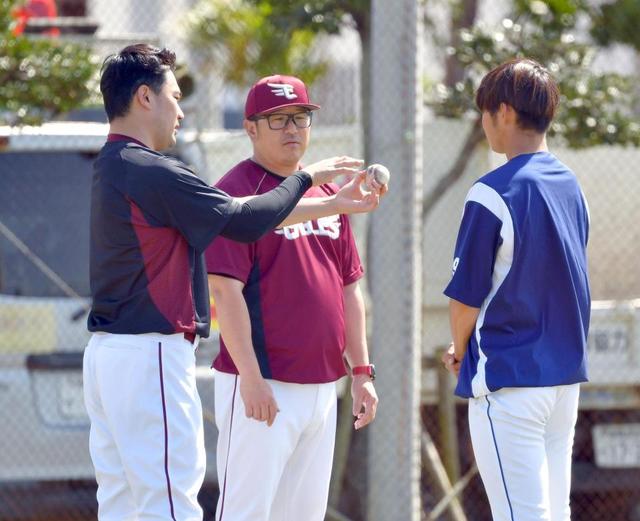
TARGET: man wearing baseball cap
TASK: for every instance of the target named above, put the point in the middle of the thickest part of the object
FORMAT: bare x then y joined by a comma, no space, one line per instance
290,310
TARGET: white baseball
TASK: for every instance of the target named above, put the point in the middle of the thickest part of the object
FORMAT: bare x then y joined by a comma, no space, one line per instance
378,172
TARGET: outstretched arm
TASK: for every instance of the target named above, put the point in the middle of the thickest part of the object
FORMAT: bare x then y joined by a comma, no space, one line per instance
349,199
283,206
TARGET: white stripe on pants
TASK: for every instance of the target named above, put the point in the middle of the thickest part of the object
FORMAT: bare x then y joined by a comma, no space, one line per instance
277,473
147,437
522,440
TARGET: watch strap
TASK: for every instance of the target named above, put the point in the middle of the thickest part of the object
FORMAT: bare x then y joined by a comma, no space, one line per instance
369,370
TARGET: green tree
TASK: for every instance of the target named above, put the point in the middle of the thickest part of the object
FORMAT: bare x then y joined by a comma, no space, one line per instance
617,21
39,78
249,39
254,38
595,108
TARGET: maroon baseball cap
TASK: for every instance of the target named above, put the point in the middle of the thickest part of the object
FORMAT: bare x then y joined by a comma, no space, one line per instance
275,92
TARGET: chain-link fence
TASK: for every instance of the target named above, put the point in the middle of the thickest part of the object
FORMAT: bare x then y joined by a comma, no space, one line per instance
45,176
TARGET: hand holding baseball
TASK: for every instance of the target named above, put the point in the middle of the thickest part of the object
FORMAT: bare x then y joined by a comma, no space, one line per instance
351,198
376,179
326,170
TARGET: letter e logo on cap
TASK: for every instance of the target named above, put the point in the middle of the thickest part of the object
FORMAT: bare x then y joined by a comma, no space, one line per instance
283,89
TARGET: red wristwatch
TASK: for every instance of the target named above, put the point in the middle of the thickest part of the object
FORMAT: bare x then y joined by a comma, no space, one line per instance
369,370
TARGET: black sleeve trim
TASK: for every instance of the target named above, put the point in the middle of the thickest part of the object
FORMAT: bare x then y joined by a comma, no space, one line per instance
264,212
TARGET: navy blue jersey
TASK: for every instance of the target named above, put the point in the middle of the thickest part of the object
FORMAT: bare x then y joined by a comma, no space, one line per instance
151,220
520,257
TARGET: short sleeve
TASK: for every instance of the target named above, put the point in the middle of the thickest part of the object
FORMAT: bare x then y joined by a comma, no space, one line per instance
475,253
352,269
230,258
174,196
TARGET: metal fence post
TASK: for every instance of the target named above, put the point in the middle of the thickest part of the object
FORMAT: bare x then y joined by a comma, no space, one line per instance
395,260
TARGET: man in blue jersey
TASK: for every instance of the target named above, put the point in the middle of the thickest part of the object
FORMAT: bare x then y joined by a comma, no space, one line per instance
520,302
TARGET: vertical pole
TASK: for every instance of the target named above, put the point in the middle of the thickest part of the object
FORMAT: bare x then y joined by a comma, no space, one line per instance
395,263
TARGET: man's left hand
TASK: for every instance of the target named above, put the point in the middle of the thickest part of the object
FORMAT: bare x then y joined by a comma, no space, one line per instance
365,400
450,362
352,199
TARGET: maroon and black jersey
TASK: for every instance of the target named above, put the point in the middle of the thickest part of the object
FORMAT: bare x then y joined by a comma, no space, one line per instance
151,220
294,279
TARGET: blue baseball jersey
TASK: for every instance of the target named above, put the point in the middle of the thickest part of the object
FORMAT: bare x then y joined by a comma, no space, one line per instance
520,257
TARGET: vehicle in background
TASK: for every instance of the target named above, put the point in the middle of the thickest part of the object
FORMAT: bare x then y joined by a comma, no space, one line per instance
45,184
606,468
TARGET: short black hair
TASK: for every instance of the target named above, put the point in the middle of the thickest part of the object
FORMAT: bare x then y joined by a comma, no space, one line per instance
526,86
124,72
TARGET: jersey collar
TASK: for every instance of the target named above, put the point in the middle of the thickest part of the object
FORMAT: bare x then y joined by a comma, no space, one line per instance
111,137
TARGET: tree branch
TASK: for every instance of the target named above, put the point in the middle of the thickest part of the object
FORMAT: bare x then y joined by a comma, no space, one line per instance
474,137
465,17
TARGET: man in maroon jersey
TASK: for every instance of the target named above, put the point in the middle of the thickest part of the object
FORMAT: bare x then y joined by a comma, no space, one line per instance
151,220
290,309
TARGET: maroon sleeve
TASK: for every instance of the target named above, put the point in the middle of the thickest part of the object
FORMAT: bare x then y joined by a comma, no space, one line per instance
352,269
230,258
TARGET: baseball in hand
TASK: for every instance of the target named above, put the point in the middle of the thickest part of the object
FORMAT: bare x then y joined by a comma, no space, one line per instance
378,172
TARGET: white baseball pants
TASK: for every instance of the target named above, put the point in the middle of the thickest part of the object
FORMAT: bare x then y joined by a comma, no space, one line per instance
147,438
277,473
522,439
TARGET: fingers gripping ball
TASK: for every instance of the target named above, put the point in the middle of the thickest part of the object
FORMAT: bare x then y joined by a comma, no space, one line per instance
378,172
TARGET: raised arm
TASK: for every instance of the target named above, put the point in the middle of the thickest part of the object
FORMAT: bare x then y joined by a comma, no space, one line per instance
349,199
283,206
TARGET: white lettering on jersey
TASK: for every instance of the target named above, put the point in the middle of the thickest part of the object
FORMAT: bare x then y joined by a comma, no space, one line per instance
456,261
324,227
283,89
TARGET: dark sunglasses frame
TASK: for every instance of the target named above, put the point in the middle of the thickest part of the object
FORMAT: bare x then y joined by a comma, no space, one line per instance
290,117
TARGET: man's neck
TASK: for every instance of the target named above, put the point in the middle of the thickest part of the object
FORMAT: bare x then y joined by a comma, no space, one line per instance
525,143
129,128
279,169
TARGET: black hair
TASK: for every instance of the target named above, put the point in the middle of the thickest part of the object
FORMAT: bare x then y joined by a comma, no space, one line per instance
124,72
526,86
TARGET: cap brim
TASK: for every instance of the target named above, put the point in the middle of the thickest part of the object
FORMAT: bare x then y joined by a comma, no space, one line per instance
309,106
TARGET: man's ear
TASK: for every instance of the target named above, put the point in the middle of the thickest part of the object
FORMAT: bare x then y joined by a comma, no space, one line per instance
143,96
507,113
251,128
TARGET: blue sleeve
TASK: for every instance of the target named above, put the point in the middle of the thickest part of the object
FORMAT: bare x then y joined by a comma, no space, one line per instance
475,253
